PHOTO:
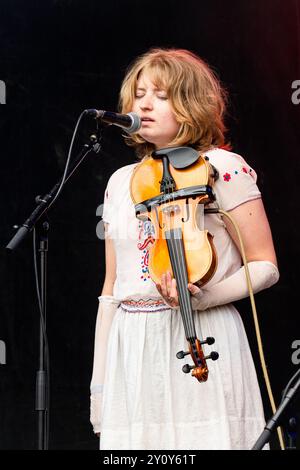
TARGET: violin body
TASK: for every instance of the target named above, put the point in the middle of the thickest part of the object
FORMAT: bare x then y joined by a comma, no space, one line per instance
200,253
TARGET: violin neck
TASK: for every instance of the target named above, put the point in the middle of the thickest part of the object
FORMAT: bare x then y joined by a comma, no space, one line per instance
178,263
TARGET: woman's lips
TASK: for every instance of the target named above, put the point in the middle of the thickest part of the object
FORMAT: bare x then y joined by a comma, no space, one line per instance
146,120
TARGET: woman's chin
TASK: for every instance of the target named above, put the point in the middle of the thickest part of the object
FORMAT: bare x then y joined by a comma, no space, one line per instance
157,144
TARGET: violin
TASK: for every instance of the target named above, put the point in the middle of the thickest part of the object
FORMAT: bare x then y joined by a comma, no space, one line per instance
170,189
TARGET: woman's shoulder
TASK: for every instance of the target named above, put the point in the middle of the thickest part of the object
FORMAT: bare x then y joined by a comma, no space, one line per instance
236,182
122,173
224,157
227,162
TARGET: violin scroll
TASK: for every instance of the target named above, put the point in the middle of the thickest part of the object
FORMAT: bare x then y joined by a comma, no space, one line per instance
199,369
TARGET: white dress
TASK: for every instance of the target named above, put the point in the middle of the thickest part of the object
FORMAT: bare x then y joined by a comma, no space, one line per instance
148,402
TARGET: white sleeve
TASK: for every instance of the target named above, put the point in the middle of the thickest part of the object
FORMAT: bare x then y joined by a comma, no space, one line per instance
236,183
263,274
106,312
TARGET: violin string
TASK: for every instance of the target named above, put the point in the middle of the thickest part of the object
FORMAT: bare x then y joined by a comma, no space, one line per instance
179,260
184,280
174,256
192,325
181,266
188,293
189,215
178,275
185,292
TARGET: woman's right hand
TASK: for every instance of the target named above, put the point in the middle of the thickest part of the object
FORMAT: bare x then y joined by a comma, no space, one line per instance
168,289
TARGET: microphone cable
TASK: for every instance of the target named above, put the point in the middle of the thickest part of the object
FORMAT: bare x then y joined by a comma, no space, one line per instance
256,323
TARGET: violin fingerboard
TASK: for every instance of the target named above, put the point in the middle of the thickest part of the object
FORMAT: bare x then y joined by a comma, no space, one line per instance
178,263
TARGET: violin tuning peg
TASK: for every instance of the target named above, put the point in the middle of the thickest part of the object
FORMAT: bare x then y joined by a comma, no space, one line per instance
181,354
187,368
209,340
213,356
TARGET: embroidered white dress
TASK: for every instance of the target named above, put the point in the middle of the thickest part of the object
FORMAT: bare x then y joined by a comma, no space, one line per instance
148,402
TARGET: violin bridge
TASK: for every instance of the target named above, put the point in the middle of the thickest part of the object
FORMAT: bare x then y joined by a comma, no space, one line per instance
170,210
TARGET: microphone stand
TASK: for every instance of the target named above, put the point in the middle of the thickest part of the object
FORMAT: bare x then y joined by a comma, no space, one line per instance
38,219
274,421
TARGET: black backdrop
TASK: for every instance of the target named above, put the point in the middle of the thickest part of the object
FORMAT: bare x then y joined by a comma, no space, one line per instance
58,57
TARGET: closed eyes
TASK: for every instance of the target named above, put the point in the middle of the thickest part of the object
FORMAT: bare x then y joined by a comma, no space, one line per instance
161,96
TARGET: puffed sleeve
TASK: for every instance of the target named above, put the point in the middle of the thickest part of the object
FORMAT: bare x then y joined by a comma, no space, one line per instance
236,183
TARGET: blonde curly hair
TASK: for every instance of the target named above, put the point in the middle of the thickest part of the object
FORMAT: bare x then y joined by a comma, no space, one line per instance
195,93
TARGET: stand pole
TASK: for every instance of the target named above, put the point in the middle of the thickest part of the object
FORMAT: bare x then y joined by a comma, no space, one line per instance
42,392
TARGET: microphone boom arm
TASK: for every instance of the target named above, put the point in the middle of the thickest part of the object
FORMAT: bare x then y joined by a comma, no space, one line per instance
44,202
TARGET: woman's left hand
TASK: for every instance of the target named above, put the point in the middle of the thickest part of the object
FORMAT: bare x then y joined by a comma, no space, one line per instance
168,289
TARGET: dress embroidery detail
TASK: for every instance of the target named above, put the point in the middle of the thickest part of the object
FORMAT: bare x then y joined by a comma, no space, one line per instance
147,305
146,239
227,177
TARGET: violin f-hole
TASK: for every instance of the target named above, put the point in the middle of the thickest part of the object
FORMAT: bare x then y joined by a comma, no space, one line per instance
187,207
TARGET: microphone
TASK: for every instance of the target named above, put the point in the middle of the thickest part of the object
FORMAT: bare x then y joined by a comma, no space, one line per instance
131,122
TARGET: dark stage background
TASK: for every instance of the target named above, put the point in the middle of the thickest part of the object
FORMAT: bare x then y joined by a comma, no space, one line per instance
60,57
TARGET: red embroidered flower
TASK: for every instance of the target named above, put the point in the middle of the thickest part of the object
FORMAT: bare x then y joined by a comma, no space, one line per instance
227,177
244,169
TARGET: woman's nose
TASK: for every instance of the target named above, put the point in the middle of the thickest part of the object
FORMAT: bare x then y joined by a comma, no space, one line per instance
146,102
